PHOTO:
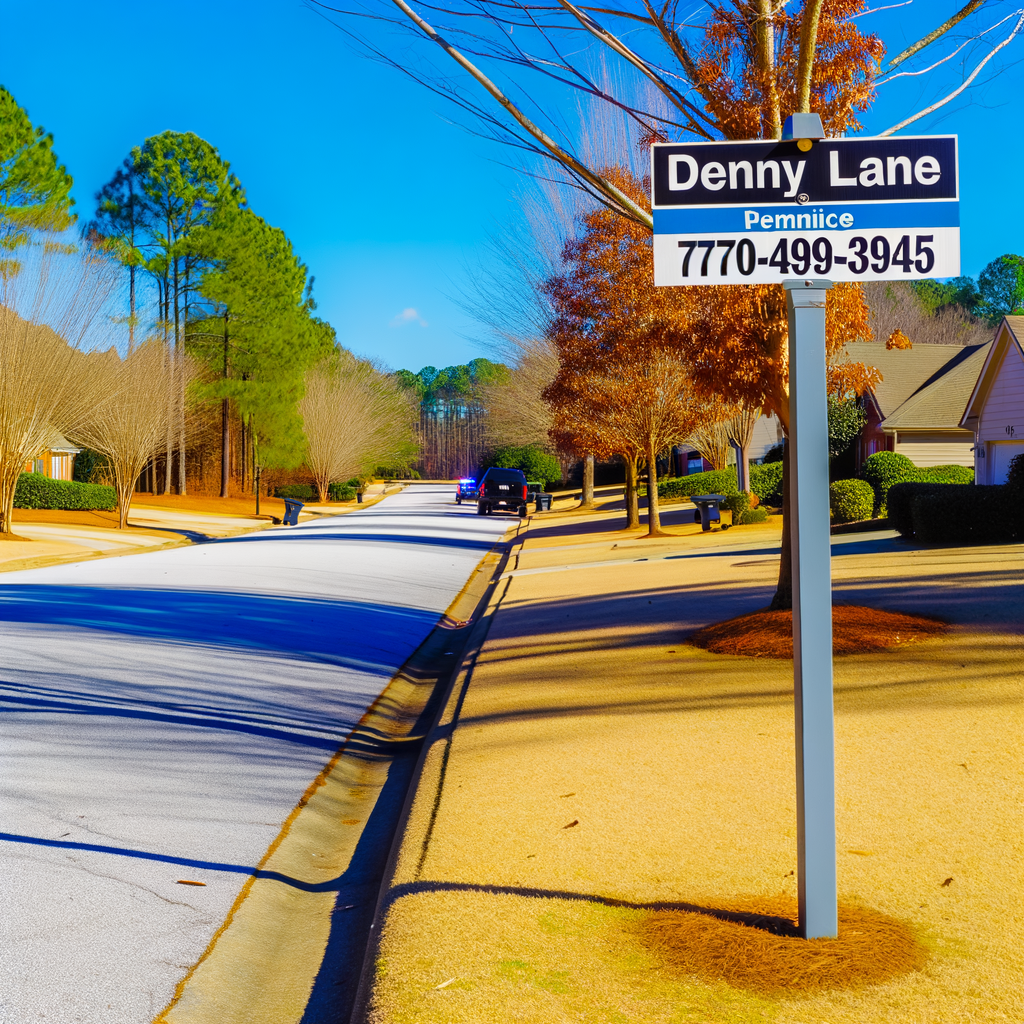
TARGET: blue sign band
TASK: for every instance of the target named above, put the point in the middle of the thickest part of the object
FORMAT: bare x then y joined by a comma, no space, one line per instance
812,217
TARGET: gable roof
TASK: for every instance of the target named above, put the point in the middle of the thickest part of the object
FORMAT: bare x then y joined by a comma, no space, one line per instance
1011,332
909,371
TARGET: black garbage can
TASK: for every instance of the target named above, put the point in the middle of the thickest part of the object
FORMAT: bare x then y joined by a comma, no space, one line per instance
292,508
543,502
707,509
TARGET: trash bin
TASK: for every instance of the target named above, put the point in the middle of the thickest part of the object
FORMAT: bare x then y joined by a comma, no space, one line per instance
543,502
292,508
707,509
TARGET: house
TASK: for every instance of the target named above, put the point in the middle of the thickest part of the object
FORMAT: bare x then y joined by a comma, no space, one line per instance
56,460
917,407
995,410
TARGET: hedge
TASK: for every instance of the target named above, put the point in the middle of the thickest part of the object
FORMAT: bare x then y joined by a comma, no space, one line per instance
851,500
886,469
766,483
713,481
957,513
298,492
34,490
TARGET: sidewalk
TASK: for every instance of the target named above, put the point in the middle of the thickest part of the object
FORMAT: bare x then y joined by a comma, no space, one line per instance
593,780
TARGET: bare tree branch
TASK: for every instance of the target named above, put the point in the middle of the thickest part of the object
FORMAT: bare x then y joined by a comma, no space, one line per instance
956,92
967,9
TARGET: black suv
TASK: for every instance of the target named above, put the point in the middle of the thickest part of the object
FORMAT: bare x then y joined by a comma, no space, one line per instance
502,490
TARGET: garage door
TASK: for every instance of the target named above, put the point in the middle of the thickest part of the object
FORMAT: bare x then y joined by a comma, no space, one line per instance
1000,453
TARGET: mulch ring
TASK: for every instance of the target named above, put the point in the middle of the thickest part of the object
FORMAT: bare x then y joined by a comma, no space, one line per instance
855,630
753,944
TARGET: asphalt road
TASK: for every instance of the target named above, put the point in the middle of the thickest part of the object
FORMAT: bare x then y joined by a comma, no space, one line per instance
161,714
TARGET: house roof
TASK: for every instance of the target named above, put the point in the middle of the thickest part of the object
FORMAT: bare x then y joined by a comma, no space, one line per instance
57,442
908,372
1011,331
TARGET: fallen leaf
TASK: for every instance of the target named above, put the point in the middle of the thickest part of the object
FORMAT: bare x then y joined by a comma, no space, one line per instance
564,795
963,764
946,882
350,821
572,823
444,984
186,881
860,853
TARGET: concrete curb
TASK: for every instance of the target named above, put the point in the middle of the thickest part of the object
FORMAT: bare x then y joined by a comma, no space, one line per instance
488,594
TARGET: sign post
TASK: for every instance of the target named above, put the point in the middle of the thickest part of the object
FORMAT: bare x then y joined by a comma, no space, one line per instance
810,543
803,212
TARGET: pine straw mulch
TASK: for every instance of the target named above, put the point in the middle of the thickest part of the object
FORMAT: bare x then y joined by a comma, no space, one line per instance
754,945
855,630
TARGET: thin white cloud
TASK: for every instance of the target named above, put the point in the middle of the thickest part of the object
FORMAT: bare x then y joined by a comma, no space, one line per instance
408,316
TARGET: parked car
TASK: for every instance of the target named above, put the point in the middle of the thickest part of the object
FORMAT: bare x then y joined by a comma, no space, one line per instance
466,489
502,490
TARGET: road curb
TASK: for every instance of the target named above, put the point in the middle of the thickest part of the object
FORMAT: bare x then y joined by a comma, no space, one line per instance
488,596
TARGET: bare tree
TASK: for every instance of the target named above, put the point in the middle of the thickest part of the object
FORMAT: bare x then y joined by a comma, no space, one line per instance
895,307
129,420
516,412
355,418
47,310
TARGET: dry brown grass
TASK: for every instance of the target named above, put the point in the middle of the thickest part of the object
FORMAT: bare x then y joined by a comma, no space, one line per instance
753,944
209,505
855,630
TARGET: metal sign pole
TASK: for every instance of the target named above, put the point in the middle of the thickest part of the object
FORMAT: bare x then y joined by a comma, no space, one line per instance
812,610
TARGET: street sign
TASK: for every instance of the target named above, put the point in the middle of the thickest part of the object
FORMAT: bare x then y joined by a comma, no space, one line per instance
846,209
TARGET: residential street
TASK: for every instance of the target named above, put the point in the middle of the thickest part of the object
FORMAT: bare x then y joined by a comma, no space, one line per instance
162,715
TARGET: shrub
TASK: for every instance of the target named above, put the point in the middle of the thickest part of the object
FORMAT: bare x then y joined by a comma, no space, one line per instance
713,481
884,469
299,492
851,500
901,504
535,463
34,490
340,492
737,504
967,515
753,515
945,475
774,454
1015,476
766,483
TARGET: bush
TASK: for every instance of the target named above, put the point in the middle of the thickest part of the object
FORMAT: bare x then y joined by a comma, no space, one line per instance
946,475
737,504
34,490
901,504
766,483
535,463
884,469
340,492
774,454
967,515
1015,476
753,515
712,481
851,500
299,492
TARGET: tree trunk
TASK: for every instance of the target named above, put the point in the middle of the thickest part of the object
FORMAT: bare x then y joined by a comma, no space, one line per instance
7,504
632,505
225,433
179,350
588,482
653,514
783,599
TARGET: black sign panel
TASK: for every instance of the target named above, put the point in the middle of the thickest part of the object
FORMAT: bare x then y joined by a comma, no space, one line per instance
831,171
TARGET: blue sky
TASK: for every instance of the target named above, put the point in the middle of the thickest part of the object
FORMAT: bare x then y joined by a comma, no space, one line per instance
389,204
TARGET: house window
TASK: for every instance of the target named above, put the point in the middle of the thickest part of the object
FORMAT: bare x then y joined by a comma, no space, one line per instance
37,466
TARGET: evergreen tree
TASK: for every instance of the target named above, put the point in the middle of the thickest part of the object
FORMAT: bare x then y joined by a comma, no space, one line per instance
35,190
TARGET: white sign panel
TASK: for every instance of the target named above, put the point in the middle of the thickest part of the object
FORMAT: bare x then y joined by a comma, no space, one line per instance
846,210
